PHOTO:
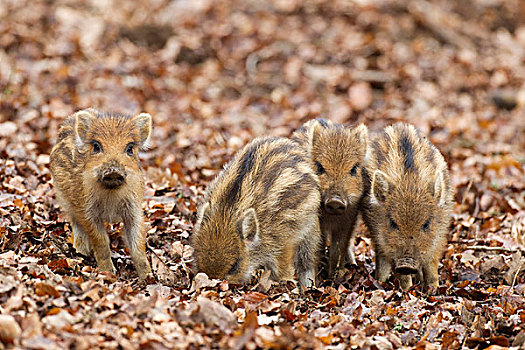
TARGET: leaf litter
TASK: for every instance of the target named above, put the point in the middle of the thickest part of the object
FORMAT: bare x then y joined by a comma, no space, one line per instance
216,74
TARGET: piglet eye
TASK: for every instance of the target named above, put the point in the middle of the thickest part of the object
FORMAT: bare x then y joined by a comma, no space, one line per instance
392,224
235,267
129,148
319,168
426,225
97,147
353,171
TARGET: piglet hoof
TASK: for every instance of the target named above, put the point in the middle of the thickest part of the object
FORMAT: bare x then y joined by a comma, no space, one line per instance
147,279
307,279
432,290
108,276
350,257
431,287
106,265
303,289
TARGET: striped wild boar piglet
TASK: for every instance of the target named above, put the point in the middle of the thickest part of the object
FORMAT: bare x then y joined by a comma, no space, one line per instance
261,212
98,179
337,154
407,209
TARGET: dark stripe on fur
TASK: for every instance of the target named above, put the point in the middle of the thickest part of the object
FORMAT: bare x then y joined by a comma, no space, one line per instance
295,194
66,152
380,155
274,152
431,151
245,166
407,150
272,174
323,122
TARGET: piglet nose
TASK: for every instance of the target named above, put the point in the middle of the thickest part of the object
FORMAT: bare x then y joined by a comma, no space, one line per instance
113,177
113,173
335,205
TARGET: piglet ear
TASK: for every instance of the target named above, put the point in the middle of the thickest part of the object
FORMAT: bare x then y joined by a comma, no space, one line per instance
440,191
202,214
362,134
143,123
83,120
314,132
250,226
379,187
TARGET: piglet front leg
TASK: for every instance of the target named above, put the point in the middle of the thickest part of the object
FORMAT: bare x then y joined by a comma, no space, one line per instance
135,239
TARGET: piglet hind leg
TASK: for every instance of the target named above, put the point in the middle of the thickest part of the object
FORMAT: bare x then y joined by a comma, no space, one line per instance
134,237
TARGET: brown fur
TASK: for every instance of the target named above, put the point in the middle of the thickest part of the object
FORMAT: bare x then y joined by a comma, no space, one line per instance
261,211
337,154
407,209
97,181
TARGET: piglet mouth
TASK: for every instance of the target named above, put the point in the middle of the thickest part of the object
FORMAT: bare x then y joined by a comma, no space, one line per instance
112,178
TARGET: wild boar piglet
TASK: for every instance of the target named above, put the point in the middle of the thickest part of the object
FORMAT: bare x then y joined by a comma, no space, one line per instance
337,155
98,179
407,209
260,212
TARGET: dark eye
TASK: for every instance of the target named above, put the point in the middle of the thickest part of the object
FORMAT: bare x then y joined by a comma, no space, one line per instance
319,168
97,147
353,171
392,224
235,267
426,225
129,149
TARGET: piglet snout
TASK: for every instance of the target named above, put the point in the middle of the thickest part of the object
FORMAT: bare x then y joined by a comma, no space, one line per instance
112,177
406,266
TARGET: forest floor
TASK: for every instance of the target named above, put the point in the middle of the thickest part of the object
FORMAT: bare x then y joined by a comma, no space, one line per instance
214,75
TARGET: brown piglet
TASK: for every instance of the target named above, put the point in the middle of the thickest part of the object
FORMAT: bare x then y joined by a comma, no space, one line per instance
407,209
337,154
98,179
261,212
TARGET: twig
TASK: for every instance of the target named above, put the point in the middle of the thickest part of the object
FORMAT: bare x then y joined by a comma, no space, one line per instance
422,327
463,241
476,212
465,338
494,249
278,47
440,23
372,76
466,192
516,276
157,256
